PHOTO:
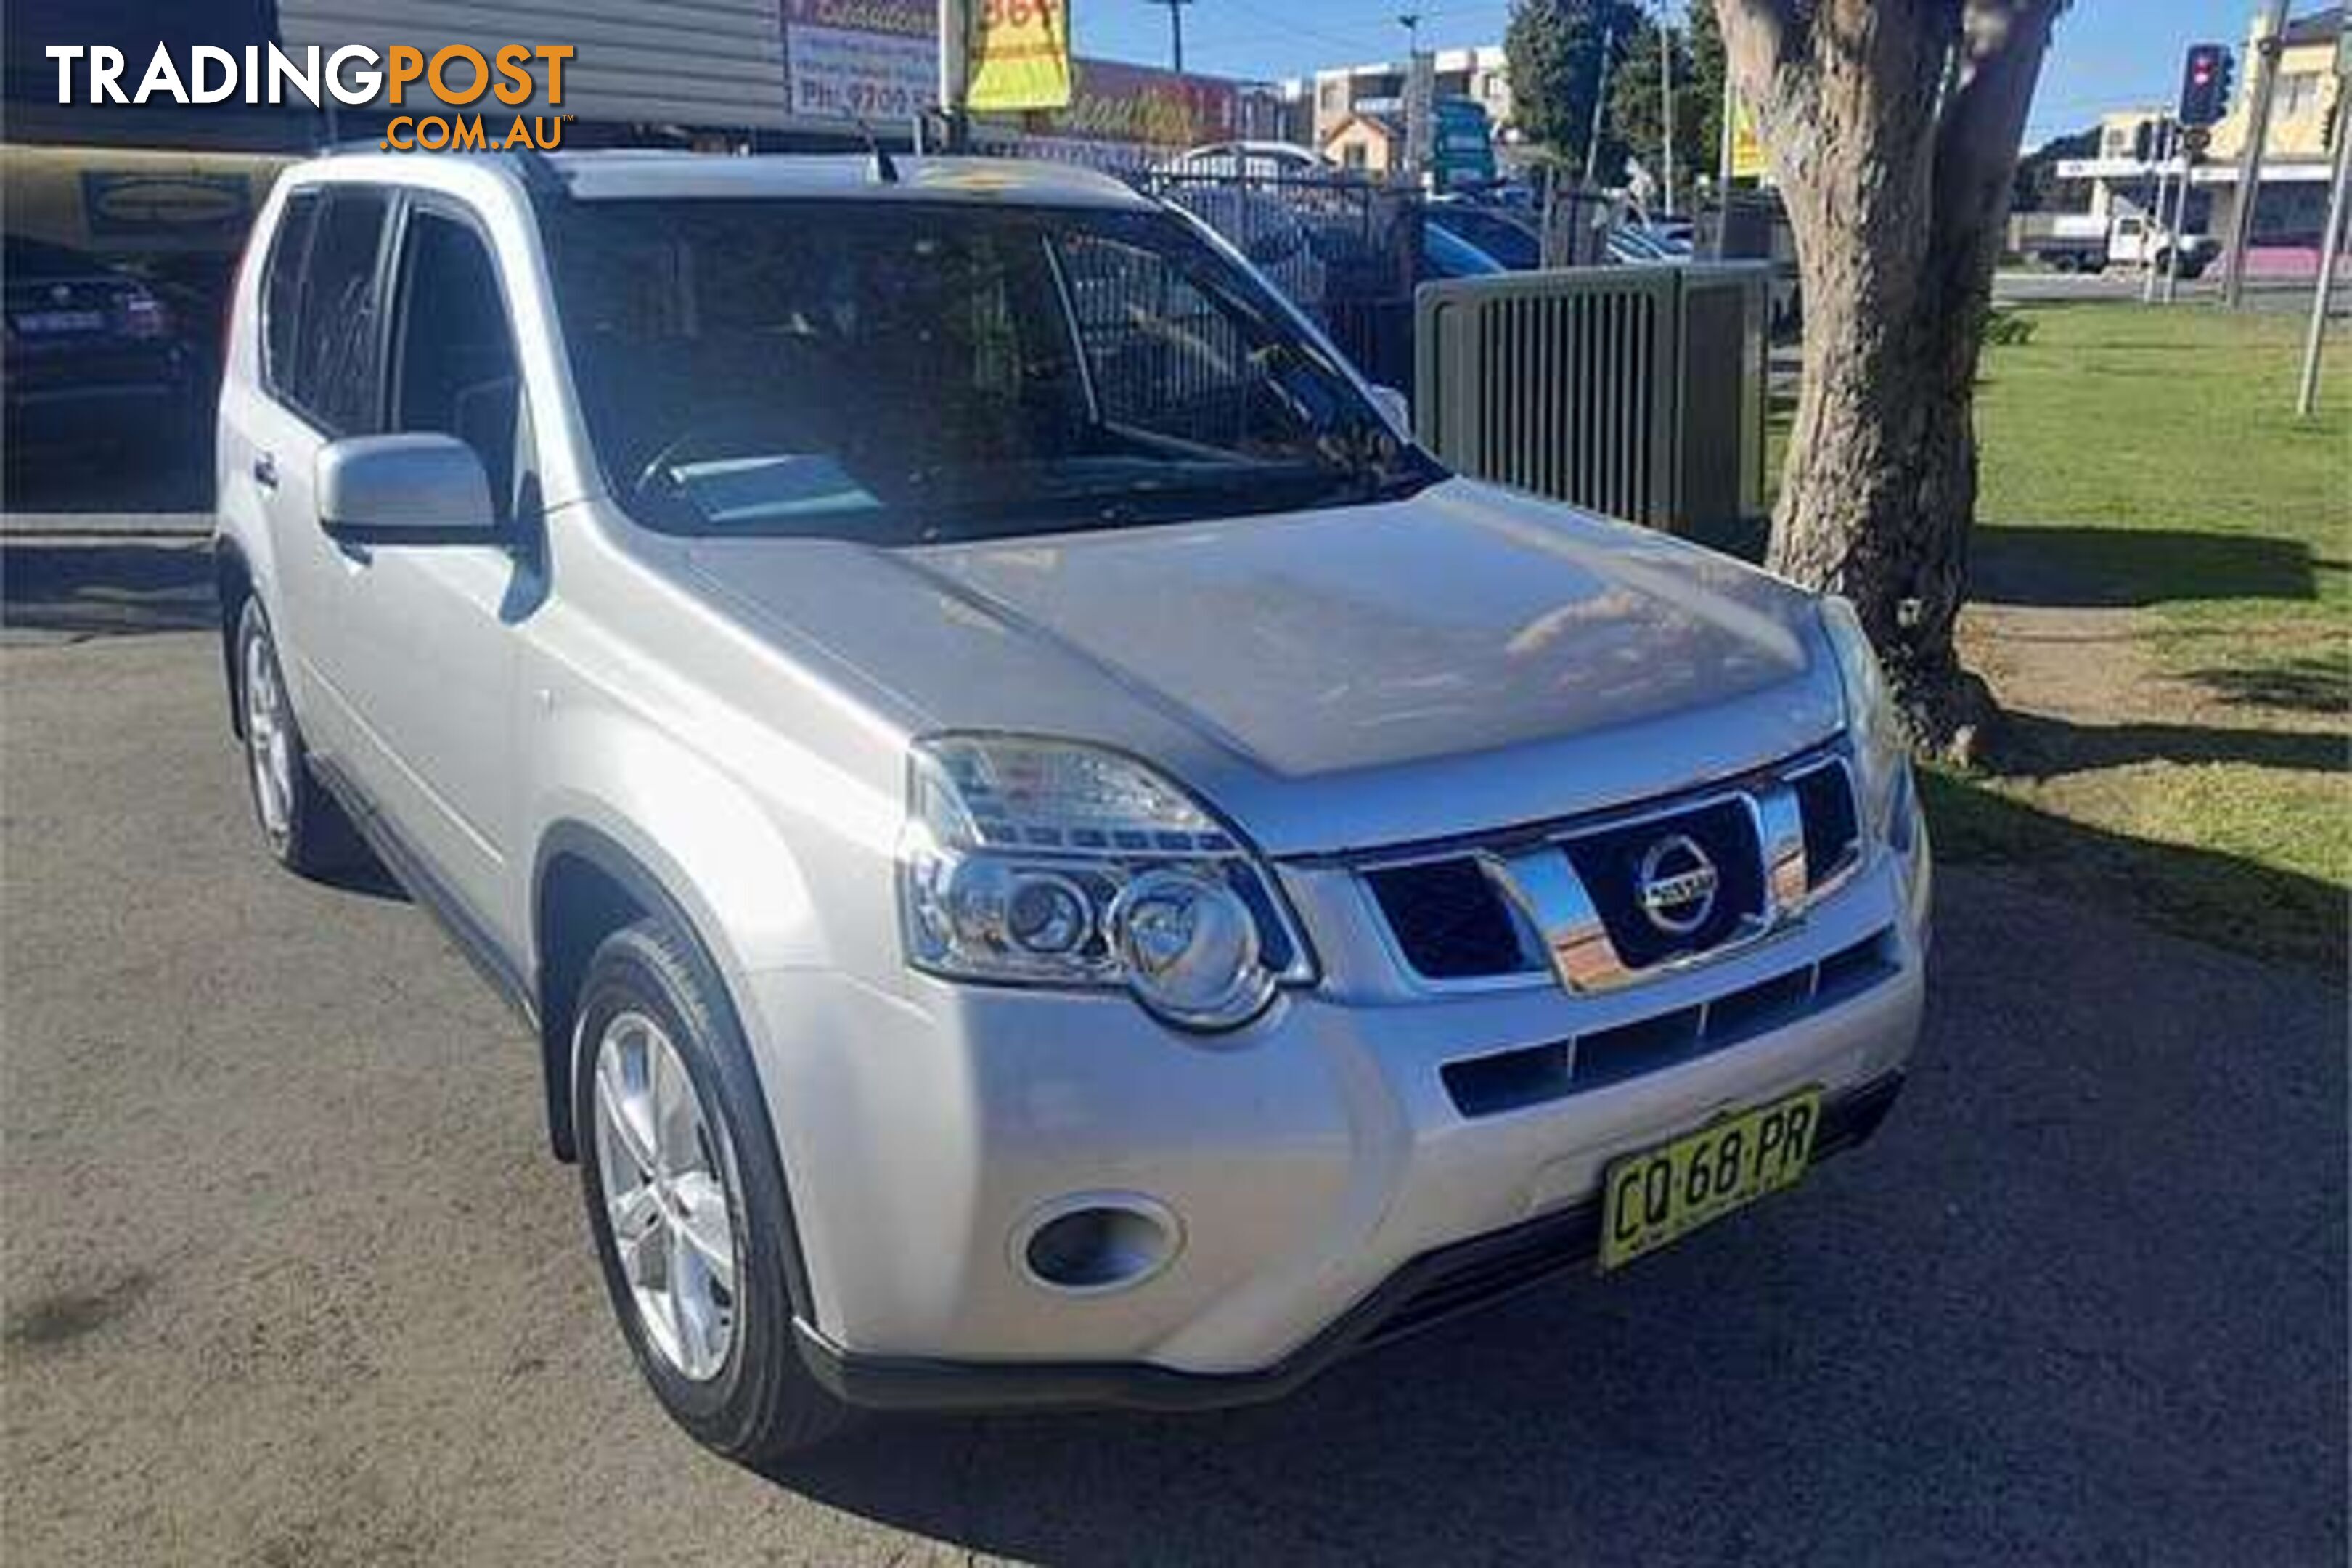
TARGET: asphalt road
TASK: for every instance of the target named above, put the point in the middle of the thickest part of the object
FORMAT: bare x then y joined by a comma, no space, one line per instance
288,1280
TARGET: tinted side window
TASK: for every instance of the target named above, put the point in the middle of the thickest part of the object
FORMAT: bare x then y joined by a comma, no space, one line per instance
334,362
453,357
281,289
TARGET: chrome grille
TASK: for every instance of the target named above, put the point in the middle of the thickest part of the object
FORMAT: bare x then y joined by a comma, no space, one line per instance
1569,897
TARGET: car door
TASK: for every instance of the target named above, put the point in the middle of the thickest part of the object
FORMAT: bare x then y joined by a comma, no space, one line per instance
318,356
432,629
2129,242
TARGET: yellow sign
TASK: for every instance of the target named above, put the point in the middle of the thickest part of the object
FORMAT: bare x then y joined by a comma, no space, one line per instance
1747,147
1020,56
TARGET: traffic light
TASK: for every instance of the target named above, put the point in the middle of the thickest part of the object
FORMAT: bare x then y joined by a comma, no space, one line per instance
2205,84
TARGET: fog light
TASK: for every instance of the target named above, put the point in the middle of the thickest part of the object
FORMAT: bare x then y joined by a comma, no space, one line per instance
1101,1245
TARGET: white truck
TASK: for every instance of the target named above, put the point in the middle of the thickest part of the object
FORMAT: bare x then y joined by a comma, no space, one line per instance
2090,242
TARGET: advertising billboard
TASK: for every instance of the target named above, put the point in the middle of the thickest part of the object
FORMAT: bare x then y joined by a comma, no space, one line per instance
871,59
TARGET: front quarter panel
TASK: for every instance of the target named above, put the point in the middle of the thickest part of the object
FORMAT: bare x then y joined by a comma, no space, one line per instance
745,867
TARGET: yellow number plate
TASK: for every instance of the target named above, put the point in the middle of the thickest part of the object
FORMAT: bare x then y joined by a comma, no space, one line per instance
1663,1194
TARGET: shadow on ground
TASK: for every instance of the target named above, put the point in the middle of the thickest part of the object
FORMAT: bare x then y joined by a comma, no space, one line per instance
2263,911
134,476
106,587
2302,683
2037,746
2068,567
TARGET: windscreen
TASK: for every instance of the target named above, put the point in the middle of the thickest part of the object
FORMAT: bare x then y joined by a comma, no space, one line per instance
903,372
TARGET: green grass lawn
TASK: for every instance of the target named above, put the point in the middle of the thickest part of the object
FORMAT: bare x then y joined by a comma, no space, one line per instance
2148,465
2177,428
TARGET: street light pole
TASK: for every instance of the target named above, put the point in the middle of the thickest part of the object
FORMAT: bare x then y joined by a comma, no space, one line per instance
2332,240
2165,149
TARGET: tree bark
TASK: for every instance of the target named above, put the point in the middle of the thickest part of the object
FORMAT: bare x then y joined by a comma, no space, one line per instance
1892,127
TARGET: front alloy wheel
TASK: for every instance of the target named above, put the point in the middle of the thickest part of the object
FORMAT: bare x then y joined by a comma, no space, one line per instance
666,1196
686,1197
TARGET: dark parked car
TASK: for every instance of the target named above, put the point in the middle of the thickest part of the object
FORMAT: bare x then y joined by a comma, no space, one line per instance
94,354
1506,238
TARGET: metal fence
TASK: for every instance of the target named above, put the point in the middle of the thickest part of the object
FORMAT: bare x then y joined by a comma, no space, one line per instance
1346,251
1636,390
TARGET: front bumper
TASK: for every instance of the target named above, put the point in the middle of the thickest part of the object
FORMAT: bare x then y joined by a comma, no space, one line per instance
1433,1289
1337,1172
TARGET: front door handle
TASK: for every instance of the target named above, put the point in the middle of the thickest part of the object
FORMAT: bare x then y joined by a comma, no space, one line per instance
265,470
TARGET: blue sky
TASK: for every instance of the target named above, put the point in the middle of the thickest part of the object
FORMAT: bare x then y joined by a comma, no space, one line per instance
2110,54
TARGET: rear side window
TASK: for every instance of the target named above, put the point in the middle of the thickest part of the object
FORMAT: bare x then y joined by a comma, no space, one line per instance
329,371
281,288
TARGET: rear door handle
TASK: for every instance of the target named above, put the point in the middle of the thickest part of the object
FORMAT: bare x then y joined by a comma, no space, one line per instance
265,470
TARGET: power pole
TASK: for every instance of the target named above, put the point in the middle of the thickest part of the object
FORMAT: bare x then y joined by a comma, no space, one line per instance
1723,141
1666,101
1600,101
1419,108
2267,45
1723,171
2332,240
955,42
1175,30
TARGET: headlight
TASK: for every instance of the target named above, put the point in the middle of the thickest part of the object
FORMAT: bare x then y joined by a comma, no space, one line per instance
1882,761
1049,863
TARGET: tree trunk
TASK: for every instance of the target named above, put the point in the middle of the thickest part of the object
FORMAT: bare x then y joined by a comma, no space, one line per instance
1892,126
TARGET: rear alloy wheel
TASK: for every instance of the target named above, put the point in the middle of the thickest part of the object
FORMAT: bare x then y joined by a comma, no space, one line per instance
305,831
685,1198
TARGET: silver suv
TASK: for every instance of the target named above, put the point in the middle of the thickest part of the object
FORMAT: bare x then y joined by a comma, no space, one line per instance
1054,858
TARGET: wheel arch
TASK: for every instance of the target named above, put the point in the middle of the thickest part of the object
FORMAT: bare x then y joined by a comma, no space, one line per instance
587,883
232,586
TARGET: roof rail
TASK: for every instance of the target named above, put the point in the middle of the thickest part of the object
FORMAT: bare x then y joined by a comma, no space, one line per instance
531,166
540,179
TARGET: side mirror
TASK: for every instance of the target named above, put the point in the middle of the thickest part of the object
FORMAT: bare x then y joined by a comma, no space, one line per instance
1395,409
405,489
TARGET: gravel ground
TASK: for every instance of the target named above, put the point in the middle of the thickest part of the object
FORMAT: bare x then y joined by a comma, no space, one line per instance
289,1280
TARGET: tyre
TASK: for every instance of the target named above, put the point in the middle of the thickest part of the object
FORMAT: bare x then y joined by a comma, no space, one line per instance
305,829
685,1198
